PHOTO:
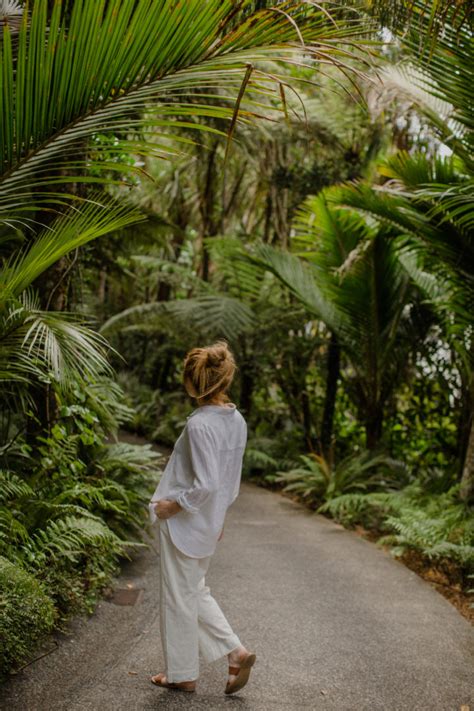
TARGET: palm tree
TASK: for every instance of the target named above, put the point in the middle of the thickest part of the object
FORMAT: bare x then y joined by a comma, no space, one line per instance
348,275
430,202
82,84
438,251
238,304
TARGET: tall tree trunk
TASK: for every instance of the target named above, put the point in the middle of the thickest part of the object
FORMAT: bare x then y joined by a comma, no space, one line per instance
373,425
247,384
247,376
333,373
207,207
467,476
307,421
467,479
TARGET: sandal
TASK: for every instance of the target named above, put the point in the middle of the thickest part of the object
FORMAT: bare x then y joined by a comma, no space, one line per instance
242,674
178,685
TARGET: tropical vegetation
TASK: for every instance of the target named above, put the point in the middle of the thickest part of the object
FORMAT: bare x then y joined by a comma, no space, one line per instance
293,177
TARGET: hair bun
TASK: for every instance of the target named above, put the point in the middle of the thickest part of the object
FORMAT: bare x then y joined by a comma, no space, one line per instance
208,371
215,358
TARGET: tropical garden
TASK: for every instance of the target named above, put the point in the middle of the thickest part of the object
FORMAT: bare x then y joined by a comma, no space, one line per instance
294,177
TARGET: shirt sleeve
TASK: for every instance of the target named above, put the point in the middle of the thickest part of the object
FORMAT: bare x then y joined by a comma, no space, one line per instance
236,491
203,452
151,505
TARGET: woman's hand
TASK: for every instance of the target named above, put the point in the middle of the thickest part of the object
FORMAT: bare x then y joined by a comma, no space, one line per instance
165,508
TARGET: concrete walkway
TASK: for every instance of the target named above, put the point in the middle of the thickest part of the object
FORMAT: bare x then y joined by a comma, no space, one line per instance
336,624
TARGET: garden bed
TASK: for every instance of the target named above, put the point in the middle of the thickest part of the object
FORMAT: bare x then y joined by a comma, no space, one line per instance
445,575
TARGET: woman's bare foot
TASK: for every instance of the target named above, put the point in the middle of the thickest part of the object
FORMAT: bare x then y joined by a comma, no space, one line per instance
161,680
241,662
235,658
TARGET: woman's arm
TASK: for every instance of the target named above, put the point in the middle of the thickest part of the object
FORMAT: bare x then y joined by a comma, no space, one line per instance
203,452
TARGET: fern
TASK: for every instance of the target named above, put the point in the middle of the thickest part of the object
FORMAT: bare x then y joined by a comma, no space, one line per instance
317,480
263,454
354,508
257,459
69,537
437,526
106,495
14,492
13,534
441,529
132,458
13,487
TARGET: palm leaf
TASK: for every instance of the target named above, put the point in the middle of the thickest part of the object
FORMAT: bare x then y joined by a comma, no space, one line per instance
36,344
208,315
69,231
297,276
112,60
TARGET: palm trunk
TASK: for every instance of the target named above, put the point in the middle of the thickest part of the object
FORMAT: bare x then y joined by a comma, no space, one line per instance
333,373
373,426
207,208
247,384
467,479
307,421
102,285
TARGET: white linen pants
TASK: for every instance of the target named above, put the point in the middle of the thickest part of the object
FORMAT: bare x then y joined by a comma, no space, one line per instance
191,621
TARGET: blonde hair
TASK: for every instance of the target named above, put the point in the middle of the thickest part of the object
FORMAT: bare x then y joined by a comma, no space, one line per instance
209,371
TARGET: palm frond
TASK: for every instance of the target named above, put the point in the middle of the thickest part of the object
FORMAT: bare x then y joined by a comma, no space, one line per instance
208,314
423,19
296,275
36,344
69,231
241,280
109,62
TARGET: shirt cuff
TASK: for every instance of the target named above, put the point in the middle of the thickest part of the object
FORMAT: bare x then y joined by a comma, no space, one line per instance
152,512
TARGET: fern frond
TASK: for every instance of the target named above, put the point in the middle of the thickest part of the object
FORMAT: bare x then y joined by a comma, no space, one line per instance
68,537
13,487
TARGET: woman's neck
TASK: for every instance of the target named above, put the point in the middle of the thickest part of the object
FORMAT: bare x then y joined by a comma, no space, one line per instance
221,403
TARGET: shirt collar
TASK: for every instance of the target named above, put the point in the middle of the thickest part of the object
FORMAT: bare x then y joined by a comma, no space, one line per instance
215,408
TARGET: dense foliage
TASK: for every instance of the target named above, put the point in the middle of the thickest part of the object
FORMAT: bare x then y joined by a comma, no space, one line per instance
296,180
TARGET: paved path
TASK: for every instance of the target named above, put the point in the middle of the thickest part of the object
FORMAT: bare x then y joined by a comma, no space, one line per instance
336,624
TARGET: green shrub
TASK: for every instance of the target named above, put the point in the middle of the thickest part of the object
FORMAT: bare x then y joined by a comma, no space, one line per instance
76,504
27,614
438,526
318,481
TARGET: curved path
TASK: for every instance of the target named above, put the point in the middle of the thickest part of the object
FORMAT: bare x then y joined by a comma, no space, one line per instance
337,624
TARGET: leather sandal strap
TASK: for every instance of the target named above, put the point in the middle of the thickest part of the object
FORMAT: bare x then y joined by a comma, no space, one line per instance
234,670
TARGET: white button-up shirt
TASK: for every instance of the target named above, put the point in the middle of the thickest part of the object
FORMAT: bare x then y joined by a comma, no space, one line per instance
203,475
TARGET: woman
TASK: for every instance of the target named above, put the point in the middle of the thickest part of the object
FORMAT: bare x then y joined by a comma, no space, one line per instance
200,481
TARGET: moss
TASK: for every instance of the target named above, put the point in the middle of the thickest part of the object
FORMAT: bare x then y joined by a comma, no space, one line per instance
27,614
